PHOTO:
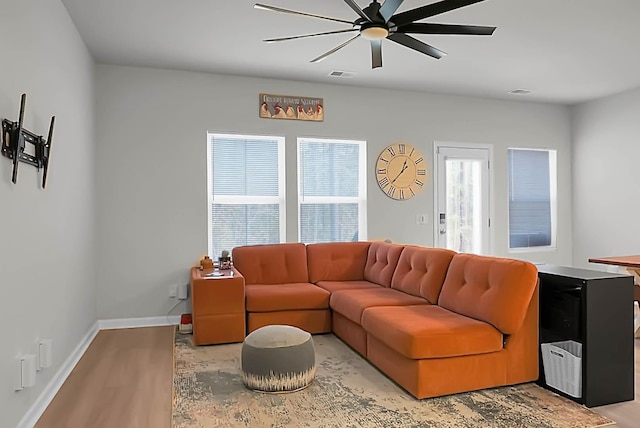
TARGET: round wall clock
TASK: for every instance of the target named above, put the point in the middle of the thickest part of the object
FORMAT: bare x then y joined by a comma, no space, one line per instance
401,171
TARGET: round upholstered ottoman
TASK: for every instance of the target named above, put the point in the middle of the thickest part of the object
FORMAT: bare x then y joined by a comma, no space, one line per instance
278,358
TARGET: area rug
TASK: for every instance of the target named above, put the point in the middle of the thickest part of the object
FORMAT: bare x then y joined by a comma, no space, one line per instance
350,392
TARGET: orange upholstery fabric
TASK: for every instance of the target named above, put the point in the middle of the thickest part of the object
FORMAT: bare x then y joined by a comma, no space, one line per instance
272,264
381,262
433,377
522,347
314,321
428,331
333,286
352,303
490,289
337,261
421,271
285,297
349,332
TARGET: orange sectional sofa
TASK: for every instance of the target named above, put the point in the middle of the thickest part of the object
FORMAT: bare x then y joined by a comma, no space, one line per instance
435,321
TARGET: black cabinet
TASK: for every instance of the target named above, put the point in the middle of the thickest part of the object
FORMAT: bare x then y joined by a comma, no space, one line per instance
595,309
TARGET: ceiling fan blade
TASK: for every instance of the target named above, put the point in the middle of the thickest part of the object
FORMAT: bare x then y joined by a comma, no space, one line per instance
428,28
376,53
430,10
353,5
334,50
389,8
282,39
295,12
416,44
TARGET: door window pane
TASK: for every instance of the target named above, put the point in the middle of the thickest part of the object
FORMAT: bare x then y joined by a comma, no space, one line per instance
463,205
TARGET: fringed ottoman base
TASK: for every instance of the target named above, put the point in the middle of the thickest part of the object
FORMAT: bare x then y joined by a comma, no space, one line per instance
278,358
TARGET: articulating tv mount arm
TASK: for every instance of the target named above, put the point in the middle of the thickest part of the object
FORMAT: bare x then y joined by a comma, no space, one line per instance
14,139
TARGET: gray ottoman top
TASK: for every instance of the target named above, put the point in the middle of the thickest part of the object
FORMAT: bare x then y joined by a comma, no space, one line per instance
276,336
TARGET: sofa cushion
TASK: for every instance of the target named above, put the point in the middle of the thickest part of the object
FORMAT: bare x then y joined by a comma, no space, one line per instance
337,261
351,303
272,264
282,297
421,271
381,262
490,289
333,286
429,331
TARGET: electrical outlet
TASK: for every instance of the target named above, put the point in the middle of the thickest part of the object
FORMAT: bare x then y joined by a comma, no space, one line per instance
173,291
183,291
45,354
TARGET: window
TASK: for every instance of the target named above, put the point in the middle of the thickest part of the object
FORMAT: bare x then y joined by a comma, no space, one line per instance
245,191
532,198
332,192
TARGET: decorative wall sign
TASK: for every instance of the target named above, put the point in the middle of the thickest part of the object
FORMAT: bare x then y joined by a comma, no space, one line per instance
291,107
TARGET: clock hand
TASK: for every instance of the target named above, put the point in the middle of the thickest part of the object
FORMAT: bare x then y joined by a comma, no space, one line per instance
401,171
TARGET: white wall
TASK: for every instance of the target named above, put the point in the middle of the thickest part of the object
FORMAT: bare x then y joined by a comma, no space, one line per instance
151,165
606,177
46,250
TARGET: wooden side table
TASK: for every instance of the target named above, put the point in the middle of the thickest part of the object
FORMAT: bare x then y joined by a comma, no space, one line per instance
217,306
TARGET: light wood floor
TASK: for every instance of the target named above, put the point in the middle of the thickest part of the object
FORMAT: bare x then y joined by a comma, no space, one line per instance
124,380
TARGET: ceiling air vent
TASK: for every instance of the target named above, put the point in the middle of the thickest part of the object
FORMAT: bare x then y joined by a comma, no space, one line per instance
520,91
345,74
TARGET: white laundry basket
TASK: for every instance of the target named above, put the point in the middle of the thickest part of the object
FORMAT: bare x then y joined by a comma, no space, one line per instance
562,363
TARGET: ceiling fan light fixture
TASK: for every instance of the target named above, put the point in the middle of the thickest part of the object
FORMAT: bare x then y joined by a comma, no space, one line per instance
374,33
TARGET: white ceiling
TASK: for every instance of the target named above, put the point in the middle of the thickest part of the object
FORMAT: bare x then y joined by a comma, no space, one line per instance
565,51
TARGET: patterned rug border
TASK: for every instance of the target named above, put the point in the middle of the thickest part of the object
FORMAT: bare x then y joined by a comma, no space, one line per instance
350,392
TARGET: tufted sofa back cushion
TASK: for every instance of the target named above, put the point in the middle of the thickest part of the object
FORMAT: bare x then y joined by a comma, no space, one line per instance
271,264
421,271
490,289
337,261
382,260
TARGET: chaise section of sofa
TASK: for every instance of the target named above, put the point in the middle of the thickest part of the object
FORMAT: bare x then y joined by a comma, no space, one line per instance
278,290
481,333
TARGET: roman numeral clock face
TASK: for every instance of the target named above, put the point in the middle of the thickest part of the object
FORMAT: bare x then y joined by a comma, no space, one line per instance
401,171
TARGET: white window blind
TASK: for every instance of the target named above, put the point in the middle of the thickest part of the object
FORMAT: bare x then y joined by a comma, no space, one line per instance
246,191
532,198
332,191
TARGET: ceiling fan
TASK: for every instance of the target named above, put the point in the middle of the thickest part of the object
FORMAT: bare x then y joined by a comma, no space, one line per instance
377,22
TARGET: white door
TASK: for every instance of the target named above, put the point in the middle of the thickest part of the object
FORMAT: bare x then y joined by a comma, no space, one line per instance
462,197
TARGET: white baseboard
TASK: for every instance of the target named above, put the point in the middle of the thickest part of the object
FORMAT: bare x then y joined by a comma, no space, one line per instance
42,402
40,405
139,322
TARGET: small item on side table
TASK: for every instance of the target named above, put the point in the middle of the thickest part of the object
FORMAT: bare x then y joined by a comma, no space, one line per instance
206,263
224,261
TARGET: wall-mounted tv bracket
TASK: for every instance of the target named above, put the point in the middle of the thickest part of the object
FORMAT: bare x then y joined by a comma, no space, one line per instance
14,138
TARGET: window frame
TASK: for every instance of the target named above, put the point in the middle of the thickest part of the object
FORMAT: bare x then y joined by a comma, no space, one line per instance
245,199
360,200
553,202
